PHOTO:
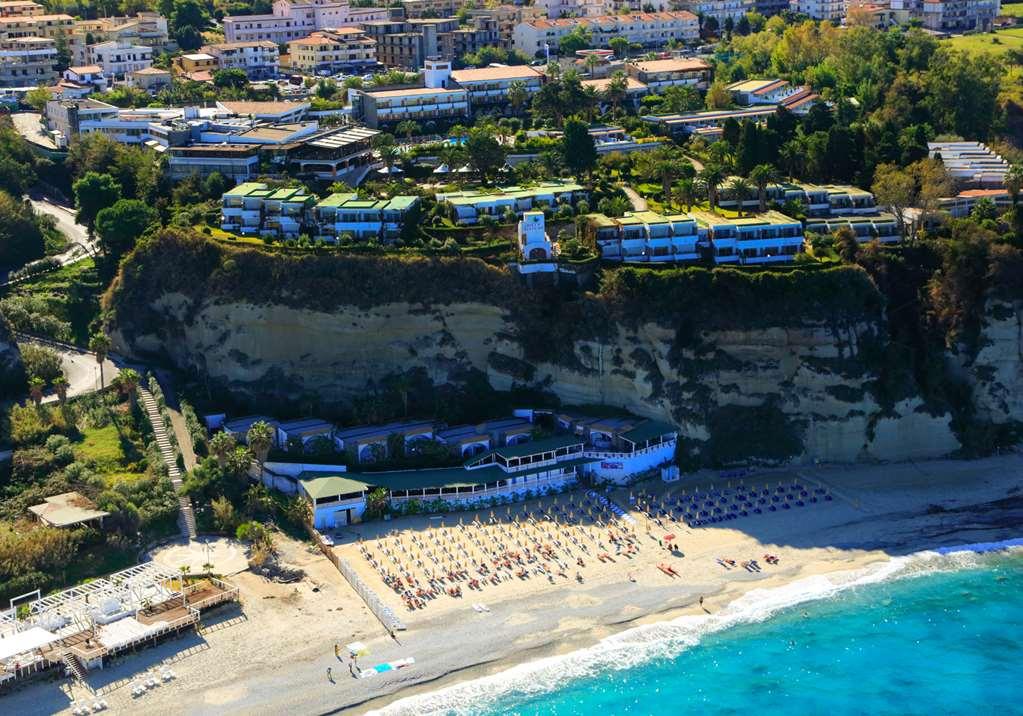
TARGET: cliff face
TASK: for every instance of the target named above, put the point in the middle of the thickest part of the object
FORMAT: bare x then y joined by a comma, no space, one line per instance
767,384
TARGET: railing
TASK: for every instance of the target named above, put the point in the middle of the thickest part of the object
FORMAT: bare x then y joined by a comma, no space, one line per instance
380,610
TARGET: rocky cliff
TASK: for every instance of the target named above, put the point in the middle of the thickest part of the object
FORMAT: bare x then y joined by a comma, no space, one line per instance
771,366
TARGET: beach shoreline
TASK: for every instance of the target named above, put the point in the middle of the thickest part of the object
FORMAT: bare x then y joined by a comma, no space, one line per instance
262,666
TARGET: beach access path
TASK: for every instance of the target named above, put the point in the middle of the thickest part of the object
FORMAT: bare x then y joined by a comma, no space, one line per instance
274,659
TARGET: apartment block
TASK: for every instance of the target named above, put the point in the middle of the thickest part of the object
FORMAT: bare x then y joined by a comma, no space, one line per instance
658,74
832,10
260,59
21,8
293,20
255,208
504,18
119,58
720,10
27,61
362,219
959,15
407,44
145,28
647,29
328,51
236,162
488,86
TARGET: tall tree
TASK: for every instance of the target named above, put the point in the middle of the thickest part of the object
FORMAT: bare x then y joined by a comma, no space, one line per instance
740,189
486,154
711,177
762,175
259,438
99,344
119,226
577,148
94,192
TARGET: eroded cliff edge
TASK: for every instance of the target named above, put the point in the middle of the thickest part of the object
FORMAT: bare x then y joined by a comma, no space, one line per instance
774,366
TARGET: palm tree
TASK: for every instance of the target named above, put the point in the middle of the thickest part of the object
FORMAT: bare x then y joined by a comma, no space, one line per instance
740,190
762,175
128,381
221,445
617,91
1014,181
60,385
100,345
260,437
591,63
517,95
35,389
688,188
711,177
408,127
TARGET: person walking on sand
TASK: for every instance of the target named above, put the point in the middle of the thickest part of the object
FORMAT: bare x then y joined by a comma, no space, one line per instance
337,652
394,636
330,675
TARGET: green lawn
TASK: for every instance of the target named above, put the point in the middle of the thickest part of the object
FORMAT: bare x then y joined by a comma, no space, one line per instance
996,42
70,294
112,451
1015,10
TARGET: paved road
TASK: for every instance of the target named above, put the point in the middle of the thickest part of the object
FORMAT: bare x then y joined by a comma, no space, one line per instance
77,235
80,368
638,202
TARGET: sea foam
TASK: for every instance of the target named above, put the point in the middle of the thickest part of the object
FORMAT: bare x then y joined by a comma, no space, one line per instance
665,640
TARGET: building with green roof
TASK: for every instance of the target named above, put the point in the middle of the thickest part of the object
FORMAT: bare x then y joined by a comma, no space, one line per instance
345,213
255,208
469,206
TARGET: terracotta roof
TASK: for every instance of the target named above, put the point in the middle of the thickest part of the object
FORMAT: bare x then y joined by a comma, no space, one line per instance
151,71
631,84
983,192
512,72
86,69
671,65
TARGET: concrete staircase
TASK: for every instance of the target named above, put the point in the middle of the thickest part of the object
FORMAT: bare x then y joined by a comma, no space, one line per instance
186,519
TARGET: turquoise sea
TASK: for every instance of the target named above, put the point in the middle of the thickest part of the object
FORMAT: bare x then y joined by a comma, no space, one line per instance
926,634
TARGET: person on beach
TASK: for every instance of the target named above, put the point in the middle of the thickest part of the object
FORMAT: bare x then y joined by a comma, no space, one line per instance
337,652
394,636
330,675
701,602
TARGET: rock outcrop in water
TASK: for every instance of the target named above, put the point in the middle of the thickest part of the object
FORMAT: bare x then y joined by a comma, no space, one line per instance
781,366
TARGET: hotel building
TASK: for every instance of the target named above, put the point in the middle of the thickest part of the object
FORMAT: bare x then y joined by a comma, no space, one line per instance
363,219
328,51
259,59
658,74
646,29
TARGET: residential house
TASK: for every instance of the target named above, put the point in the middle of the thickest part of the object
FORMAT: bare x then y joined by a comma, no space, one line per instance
259,59
150,79
255,208
90,75
362,219
144,28
280,112
708,123
831,10
119,58
504,18
195,66
658,74
720,10
646,29
21,8
471,205
346,49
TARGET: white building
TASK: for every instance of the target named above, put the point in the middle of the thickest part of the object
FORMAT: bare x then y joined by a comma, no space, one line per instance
832,10
653,29
488,86
658,74
87,75
720,10
119,57
259,59
291,20
536,253
329,51
751,92
971,164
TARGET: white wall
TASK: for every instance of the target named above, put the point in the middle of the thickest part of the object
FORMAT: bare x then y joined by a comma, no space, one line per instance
619,467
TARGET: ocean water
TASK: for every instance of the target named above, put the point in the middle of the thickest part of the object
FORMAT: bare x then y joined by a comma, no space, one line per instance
925,634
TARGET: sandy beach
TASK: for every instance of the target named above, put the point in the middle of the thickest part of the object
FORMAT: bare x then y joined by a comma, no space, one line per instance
271,654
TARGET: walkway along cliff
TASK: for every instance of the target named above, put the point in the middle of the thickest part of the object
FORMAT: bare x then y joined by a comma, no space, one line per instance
798,365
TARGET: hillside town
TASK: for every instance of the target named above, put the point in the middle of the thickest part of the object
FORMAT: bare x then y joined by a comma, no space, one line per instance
353,329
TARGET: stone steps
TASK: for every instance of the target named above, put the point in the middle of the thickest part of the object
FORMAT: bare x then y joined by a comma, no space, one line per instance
186,517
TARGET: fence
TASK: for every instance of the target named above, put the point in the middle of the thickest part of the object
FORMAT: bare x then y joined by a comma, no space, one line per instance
380,610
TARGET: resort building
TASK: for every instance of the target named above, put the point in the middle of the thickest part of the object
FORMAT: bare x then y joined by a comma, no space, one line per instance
119,58
281,112
634,90
818,200
27,61
658,74
536,252
295,19
259,59
362,219
469,440
377,108
471,205
972,165
255,208
344,152
372,443
752,92
238,428
770,237
709,123
644,236
646,29
301,433
488,86
877,227
346,49
236,162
